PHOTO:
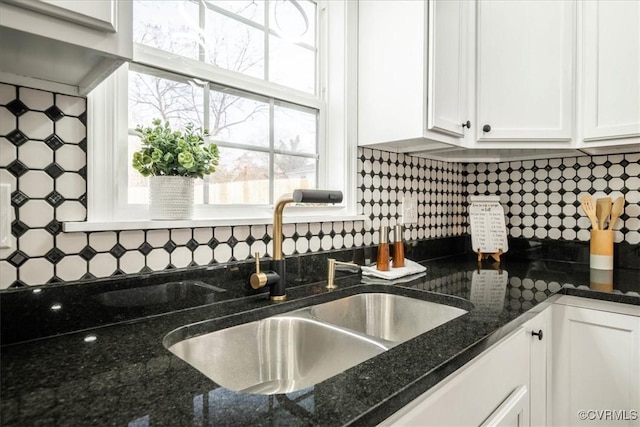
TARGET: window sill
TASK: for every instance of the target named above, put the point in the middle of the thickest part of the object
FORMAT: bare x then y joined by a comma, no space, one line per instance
70,227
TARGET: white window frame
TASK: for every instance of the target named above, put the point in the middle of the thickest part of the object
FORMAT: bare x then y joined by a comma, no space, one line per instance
337,126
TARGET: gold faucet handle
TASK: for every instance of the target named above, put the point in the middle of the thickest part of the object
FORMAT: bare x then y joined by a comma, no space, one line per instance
331,270
258,279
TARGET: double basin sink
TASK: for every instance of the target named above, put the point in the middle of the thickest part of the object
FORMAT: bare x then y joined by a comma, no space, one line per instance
300,348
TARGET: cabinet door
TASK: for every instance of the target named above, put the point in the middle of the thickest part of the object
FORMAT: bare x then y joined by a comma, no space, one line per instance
449,66
76,43
525,58
391,79
492,388
100,26
611,69
540,334
596,367
97,14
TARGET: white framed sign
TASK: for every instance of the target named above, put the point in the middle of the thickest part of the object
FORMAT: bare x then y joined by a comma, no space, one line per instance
488,229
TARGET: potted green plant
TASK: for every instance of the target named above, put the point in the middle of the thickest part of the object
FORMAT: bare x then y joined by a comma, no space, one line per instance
173,159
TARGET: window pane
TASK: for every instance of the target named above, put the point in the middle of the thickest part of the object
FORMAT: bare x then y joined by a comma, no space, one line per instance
233,45
295,130
138,187
291,65
233,37
294,21
244,176
238,119
250,9
168,25
241,178
198,190
293,172
153,97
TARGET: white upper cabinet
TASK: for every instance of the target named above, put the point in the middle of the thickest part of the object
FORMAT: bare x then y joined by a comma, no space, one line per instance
448,85
98,14
390,71
528,76
525,57
73,43
412,96
610,71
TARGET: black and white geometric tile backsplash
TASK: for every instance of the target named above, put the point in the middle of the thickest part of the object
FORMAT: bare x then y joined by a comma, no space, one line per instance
43,158
542,197
385,179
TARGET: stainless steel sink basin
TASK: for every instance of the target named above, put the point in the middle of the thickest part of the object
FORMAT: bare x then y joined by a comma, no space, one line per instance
295,350
391,317
276,355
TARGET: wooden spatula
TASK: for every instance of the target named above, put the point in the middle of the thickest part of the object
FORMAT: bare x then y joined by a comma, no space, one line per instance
616,211
603,209
589,208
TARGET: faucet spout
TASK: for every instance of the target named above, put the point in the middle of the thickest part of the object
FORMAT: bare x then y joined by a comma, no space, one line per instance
277,278
298,196
277,225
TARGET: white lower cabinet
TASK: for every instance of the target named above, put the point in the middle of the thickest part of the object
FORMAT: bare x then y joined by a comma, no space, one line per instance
494,389
576,363
540,348
596,364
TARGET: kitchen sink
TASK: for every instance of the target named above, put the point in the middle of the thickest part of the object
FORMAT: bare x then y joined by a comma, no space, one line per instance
279,354
295,350
394,318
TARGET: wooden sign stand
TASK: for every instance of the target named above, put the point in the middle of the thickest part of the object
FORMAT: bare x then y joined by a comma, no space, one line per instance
494,255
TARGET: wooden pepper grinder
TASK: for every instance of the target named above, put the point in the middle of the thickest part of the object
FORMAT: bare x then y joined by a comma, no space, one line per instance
382,262
398,247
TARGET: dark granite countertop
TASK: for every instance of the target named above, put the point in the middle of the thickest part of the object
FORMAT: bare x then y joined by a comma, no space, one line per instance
57,368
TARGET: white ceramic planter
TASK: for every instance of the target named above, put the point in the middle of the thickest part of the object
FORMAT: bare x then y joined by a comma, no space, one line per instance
170,197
